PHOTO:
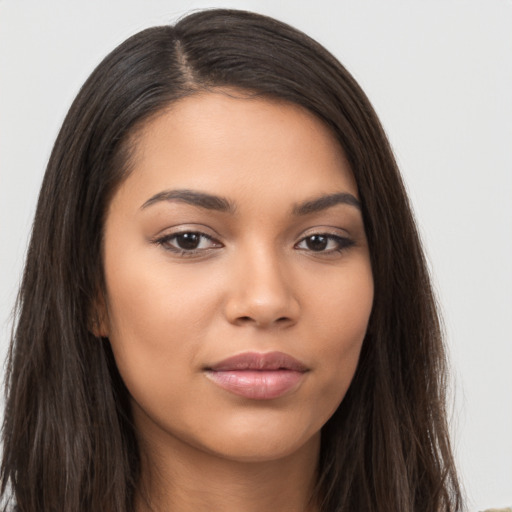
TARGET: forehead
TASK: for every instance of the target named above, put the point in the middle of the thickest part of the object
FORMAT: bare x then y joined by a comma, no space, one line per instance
228,144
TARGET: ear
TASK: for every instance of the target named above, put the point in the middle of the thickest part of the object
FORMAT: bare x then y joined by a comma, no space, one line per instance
98,317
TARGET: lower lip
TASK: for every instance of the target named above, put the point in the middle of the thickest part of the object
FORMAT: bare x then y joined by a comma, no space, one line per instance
257,384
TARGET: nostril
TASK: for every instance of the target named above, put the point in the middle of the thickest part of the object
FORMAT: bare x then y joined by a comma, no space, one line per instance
249,319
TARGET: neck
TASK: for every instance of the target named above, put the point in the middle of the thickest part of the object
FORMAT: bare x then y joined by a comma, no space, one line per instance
181,478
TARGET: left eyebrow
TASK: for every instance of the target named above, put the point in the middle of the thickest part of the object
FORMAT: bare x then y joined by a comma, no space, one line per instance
324,202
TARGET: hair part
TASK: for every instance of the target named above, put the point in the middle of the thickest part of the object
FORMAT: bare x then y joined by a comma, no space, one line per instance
69,440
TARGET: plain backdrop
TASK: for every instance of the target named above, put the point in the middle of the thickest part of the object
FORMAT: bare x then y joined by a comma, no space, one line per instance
439,74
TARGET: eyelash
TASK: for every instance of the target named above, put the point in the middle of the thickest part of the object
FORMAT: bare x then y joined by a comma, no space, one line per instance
165,242
342,243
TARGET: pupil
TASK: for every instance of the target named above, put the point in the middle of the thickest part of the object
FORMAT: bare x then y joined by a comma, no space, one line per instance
188,240
316,243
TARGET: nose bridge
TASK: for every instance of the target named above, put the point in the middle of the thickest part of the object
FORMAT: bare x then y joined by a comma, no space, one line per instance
262,291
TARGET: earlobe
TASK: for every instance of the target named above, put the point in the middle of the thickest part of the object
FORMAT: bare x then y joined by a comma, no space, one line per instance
98,317
98,329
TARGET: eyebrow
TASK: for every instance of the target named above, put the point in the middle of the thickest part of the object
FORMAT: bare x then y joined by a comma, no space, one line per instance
200,199
221,204
324,202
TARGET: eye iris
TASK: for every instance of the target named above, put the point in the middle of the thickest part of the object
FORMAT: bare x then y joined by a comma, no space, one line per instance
188,240
317,242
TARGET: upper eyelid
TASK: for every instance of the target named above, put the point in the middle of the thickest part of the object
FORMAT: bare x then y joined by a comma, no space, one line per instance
326,230
328,235
165,242
324,233
212,234
179,229
170,236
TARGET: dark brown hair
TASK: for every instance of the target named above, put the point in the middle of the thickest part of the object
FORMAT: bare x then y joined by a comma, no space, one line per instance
69,443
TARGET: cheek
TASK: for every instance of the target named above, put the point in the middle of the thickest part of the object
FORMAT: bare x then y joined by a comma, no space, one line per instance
343,312
157,322
349,319
148,295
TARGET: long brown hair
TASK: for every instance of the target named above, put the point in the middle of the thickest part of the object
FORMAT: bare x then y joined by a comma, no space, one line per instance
69,442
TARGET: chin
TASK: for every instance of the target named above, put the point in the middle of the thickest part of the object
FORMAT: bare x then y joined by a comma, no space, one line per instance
261,447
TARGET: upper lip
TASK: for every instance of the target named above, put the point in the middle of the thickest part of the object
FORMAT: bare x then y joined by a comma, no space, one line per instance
259,361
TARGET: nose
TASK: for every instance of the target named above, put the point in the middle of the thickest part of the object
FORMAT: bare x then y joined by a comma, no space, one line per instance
262,293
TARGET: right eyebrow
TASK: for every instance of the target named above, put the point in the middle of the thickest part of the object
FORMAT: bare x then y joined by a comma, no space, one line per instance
200,199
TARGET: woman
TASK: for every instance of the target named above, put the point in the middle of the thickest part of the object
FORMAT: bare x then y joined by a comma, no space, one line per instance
225,303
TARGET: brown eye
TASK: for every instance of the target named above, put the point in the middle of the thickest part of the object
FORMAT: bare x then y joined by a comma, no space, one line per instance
187,241
324,243
317,242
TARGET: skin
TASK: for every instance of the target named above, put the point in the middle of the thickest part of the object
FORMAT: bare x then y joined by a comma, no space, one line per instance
258,284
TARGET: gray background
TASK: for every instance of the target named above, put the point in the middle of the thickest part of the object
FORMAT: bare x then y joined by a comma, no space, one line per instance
439,74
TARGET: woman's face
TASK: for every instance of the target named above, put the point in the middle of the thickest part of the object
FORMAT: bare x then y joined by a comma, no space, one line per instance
238,278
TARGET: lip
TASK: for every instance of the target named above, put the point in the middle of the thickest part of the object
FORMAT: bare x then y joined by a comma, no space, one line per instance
258,376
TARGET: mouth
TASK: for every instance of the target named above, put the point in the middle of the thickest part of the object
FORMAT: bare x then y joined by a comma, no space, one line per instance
258,376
